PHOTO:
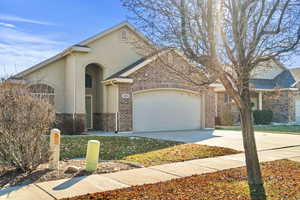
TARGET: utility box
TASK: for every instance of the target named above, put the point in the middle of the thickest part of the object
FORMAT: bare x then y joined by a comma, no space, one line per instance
92,155
54,149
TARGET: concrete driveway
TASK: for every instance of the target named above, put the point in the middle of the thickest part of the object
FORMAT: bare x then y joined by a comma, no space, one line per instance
230,139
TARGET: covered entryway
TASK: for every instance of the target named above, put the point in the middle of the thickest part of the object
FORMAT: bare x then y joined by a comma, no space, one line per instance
93,96
297,108
164,110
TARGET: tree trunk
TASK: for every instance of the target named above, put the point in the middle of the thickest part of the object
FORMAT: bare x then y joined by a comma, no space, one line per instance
255,181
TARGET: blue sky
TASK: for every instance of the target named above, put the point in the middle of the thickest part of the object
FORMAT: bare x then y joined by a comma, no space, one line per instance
34,30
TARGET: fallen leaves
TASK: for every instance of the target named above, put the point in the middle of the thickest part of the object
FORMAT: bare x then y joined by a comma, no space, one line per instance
282,181
179,153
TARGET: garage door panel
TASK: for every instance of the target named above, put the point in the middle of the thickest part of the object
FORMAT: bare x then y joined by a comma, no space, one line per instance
166,110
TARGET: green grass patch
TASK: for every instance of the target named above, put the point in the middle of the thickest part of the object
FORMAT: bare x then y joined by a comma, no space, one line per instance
111,148
178,153
145,151
287,129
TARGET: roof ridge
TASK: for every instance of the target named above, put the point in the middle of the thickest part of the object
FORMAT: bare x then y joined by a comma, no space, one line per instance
83,43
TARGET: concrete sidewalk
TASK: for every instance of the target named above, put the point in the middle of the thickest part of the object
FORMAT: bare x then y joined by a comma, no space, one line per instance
99,183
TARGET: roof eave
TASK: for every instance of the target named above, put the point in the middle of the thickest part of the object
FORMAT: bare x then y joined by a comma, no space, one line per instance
79,47
117,80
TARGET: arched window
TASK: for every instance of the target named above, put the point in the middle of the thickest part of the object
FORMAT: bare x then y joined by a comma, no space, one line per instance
43,91
88,81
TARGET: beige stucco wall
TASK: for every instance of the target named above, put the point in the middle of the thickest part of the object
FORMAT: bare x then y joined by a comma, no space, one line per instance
112,99
67,75
53,75
111,53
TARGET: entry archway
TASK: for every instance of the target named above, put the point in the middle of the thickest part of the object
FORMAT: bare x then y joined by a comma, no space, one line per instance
93,95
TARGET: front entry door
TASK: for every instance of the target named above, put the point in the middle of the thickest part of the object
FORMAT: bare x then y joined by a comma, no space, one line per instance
89,111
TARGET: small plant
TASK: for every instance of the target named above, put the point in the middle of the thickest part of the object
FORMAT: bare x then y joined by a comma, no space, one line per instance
24,122
263,116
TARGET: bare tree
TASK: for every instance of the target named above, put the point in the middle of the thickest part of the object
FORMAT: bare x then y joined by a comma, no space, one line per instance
227,39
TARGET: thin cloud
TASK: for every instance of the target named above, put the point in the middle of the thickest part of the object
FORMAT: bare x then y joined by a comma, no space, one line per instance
7,25
20,50
17,57
25,20
13,35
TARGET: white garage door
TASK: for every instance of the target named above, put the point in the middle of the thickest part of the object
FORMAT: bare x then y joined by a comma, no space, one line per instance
166,110
297,108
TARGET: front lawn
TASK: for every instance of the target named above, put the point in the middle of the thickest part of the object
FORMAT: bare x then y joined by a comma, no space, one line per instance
284,129
282,181
178,153
142,151
111,148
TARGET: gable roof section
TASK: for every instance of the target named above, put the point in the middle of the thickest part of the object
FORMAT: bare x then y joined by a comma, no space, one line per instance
82,47
283,80
143,62
128,68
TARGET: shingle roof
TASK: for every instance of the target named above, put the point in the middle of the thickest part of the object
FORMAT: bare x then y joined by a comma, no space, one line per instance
138,62
283,80
129,67
262,83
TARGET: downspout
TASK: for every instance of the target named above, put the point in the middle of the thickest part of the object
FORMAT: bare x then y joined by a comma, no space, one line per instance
260,101
117,113
74,100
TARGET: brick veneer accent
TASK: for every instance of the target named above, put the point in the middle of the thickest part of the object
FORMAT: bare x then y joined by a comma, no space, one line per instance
108,121
157,75
282,104
210,108
101,121
98,121
104,121
125,108
227,112
65,123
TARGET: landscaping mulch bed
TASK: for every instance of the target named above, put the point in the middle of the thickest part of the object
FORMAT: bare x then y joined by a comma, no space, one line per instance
282,182
11,177
122,153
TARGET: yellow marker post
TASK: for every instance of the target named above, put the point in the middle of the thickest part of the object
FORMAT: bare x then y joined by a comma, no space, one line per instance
54,149
92,155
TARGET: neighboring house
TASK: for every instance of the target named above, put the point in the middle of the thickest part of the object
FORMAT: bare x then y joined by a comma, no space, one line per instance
274,87
103,83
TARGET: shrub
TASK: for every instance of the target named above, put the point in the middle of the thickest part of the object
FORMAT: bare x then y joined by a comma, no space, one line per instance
24,122
263,116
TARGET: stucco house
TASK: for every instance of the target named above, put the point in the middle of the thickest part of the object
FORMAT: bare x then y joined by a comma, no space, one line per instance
274,87
104,83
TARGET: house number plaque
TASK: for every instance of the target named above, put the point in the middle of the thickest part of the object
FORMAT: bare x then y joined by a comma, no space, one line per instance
125,96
